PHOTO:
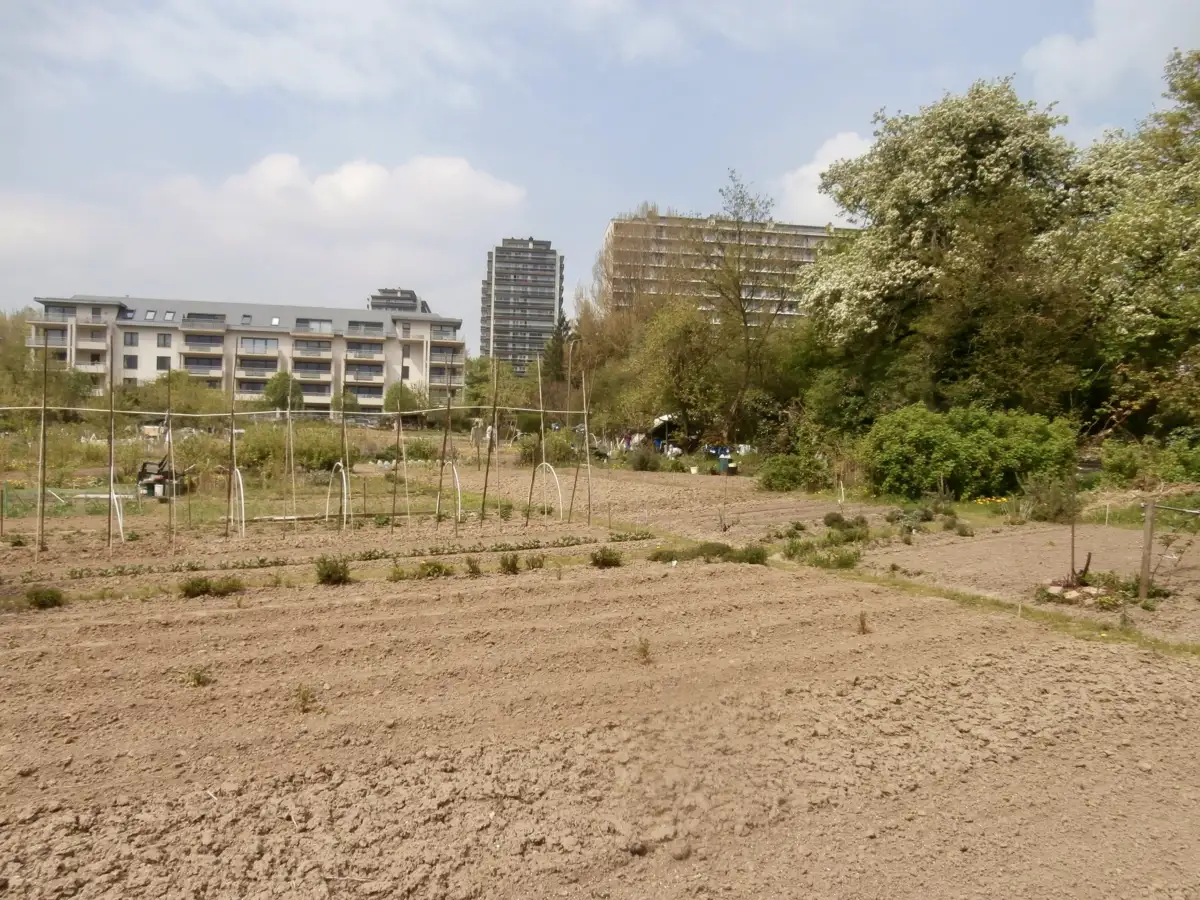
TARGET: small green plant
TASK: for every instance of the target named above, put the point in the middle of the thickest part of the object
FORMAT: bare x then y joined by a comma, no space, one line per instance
535,561
835,558
606,558
432,568
505,510
950,523
198,677
382,521
750,555
306,698
864,627
473,567
398,573
333,570
799,550
133,536
15,540
641,650
834,520
203,586
510,563
277,580
962,529
907,538
44,598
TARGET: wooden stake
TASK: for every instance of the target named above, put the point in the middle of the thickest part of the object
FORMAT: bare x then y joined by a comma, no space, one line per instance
1147,552
232,466
112,434
587,449
345,450
41,505
495,439
437,513
171,462
542,416
395,474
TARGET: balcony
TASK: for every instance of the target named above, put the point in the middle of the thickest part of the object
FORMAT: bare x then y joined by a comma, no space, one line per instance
314,377
91,320
360,331
254,374
55,318
303,353
204,349
447,359
53,341
368,401
365,355
444,337
215,372
258,352
202,326
306,330
92,368
353,377
90,343
248,396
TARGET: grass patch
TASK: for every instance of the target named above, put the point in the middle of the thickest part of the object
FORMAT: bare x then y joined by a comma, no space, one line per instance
398,573
333,570
510,564
822,556
641,650
606,558
203,586
432,568
44,598
535,561
473,568
713,551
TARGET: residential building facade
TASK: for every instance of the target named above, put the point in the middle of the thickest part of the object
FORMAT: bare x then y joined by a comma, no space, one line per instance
238,346
654,255
522,299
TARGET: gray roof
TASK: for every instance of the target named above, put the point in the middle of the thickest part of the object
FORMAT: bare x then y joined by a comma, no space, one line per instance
260,314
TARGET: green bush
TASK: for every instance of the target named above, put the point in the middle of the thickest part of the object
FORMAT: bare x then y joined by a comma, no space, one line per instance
835,558
606,558
432,568
420,450
1146,464
751,555
967,452
333,570
535,561
558,448
510,563
794,472
644,459
473,567
203,586
44,598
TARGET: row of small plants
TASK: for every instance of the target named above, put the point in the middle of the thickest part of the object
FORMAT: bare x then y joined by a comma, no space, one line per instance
335,570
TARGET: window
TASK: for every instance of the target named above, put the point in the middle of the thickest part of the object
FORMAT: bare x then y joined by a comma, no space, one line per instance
323,326
164,340
407,352
129,382
312,346
213,385
404,373
96,360
245,318
126,313
260,345
311,368
60,355
274,320
97,313
150,314
131,339
97,334
169,315
164,364
406,329
131,362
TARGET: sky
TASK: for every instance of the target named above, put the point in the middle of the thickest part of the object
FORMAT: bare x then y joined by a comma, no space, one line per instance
313,151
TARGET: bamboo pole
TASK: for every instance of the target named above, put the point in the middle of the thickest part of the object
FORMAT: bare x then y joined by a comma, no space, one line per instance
345,451
404,463
171,462
587,449
112,434
1147,552
40,546
232,466
290,454
395,474
488,468
437,513
542,417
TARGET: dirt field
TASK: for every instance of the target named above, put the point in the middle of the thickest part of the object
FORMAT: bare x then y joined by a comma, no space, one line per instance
643,731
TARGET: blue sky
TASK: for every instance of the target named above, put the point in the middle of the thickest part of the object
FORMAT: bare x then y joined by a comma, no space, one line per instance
310,151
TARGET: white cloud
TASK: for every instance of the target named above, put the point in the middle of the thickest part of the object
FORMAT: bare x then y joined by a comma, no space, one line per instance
336,50
274,233
802,201
1129,39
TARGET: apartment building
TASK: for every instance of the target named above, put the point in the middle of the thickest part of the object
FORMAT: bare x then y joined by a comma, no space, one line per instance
522,299
651,255
238,346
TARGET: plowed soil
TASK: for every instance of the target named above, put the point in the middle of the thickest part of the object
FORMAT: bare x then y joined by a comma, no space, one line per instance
648,731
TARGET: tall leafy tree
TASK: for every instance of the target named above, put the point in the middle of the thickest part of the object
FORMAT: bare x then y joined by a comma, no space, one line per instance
279,385
554,357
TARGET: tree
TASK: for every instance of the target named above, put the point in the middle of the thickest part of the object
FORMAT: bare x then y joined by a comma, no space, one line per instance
554,357
401,398
948,295
279,385
749,283
344,400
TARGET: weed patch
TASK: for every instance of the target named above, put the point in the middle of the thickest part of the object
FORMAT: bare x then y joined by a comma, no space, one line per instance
333,570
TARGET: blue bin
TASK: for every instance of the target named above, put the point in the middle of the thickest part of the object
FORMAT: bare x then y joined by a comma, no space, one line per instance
723,464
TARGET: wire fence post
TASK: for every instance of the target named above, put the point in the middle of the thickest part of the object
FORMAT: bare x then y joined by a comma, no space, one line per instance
1147,551
40,546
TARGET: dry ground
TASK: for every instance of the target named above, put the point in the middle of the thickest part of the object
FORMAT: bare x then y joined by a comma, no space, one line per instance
647,731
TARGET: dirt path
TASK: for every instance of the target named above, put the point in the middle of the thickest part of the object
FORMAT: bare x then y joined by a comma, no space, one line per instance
501,737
